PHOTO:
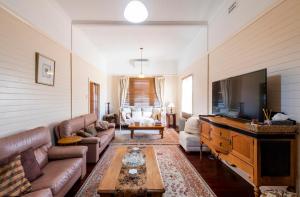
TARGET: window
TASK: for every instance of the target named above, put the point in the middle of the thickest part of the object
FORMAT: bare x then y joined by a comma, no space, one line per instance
141,92
187,95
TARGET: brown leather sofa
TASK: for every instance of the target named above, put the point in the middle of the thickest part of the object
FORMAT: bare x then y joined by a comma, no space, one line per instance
95,144
61,166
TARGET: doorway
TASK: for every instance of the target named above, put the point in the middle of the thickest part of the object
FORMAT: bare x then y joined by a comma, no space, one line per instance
94,98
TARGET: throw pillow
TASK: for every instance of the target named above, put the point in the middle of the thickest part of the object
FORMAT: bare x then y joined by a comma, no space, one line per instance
12,177
192,125
101,125
31,167
82,133
91,130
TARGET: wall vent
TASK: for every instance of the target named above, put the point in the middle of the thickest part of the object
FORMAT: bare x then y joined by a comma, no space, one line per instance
232,7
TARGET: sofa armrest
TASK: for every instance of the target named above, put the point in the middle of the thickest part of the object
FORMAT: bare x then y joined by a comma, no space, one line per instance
40,193
90,140
65,152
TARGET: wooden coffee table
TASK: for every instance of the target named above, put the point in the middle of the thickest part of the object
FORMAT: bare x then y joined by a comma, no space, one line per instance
133,127
154,183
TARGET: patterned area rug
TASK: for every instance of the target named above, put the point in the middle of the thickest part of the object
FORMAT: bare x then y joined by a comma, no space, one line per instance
179,176
146,137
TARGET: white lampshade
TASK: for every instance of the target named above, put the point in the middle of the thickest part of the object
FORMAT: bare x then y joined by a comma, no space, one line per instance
135,12
171,105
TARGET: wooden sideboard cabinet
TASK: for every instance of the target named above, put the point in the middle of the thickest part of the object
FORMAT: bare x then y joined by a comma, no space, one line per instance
267,158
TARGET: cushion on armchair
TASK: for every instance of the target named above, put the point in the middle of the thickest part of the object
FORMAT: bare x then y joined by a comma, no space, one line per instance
192,125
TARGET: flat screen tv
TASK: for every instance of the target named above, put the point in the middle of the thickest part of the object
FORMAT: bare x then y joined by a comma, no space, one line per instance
241,97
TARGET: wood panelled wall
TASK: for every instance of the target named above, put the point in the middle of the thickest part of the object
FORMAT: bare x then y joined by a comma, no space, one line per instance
23,103
273,42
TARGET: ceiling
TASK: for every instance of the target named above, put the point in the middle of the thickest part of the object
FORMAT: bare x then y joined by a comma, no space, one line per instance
172,10
120,43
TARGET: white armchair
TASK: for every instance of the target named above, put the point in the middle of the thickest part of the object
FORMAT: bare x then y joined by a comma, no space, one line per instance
189,139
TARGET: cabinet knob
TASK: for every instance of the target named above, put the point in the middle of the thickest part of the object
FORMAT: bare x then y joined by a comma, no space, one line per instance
220,143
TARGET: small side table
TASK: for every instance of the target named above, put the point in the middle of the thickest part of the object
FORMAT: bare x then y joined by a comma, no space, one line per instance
69,140
171,120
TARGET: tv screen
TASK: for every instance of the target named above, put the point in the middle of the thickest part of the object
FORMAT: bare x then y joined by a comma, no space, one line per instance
241,97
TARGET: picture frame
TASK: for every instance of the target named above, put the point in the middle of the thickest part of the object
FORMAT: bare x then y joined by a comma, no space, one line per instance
44,70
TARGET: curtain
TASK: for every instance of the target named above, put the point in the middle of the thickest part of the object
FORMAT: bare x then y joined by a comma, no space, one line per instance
160,89
124,85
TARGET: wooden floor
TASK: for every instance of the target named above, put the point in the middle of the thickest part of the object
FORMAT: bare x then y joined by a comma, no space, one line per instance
223,181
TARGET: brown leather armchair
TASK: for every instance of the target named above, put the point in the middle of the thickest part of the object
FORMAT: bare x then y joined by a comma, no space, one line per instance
61,166
95,144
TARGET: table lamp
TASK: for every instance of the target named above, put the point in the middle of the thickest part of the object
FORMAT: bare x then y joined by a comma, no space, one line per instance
171,106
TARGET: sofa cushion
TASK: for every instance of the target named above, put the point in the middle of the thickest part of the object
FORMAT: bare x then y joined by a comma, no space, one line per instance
12,177
110,133
147,114
40,193
31,166
68,127
192,125
111,125
57,174
91,130
136,114
82,133
90,119
191,140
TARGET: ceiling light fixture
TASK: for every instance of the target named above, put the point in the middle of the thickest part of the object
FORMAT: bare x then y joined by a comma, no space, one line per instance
135,12
141,75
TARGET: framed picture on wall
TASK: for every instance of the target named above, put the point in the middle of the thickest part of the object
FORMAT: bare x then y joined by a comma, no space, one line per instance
44,70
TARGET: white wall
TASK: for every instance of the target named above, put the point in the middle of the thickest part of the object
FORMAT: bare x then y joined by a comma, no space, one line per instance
50,19
46,16
194,51
222,25
82,74
199,71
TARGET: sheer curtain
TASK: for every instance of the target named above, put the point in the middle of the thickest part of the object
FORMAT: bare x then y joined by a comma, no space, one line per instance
160,90
124,85
160,93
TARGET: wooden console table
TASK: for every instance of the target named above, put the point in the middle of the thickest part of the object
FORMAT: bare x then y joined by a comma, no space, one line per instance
268,158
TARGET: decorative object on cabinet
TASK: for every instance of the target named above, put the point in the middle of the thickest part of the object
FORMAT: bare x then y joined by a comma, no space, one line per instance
44,70
269,158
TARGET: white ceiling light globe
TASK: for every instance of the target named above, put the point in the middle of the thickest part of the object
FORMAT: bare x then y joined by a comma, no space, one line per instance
135,12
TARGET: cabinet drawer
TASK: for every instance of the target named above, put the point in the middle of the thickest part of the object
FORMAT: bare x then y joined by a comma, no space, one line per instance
221,145
219,132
